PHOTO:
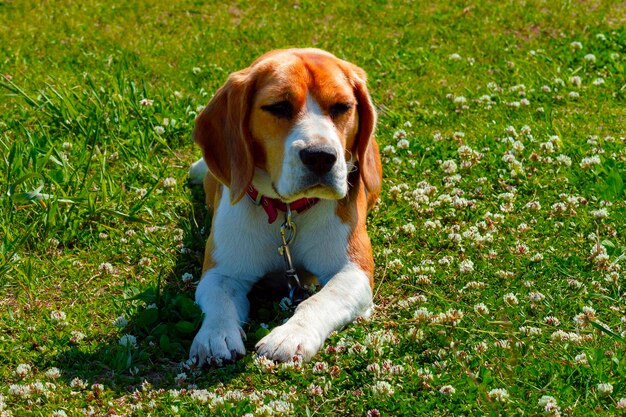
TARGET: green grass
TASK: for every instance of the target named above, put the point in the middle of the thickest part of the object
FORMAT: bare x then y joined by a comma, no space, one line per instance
97,220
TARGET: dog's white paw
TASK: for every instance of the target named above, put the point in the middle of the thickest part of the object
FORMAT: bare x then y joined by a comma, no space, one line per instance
287,341
215,345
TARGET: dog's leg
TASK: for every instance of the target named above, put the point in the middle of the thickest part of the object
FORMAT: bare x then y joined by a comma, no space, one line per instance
346,296
225,305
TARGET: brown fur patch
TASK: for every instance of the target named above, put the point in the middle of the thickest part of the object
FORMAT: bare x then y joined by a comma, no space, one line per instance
352,210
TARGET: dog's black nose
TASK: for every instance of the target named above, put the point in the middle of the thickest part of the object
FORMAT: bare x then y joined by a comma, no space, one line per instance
319,159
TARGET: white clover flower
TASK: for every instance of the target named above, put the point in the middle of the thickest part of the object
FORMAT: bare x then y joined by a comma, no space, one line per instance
537,257
128,340
320,367
547,147
196,70
530,331
498,394
146,102
454,57
395,264
600,213
382,388
399,134
605,389
536,297
562,336
598,81
460,100
447,390
481,309
564,160
573,94
449,166
315,390
106,268
409,229
510,299
266,365
57,315
575,80
507,196
403,144
510,130
545,400
545,89
576,46
588,162
78,383
389,149
22,370
422,314
466,266
590,58
621,404
53,373
77,336
159,130
169,182
581,359
19,390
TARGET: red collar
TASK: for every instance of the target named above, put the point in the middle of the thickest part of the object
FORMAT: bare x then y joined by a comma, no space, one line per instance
272,205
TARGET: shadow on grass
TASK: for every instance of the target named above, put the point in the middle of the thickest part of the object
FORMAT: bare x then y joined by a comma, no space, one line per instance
163,320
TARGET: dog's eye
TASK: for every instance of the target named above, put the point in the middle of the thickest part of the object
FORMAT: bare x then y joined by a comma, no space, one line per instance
338,109
282,109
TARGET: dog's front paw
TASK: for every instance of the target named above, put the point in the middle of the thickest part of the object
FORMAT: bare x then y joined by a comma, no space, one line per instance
287,341
215,345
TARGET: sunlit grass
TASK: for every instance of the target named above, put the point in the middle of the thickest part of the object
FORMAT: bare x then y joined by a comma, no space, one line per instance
499,237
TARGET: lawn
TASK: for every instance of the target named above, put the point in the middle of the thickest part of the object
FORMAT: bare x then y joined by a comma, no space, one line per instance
499,238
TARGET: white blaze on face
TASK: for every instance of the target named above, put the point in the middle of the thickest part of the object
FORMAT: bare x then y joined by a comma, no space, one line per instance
314,128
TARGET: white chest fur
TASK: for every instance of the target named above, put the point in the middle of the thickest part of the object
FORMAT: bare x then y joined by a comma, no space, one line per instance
246,245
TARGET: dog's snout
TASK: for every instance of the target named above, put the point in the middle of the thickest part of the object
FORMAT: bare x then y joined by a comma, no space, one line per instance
319,159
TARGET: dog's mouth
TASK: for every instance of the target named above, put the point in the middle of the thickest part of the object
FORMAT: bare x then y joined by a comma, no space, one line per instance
314,189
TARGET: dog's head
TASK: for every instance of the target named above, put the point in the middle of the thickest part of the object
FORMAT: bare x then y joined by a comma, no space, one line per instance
294,123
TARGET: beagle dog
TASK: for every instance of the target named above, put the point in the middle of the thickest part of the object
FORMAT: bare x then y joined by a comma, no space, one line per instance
291,134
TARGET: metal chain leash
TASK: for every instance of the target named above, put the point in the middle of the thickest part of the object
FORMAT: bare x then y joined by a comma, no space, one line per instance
288,234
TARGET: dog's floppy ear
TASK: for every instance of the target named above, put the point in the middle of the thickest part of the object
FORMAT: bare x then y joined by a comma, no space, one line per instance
366,146
222,131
